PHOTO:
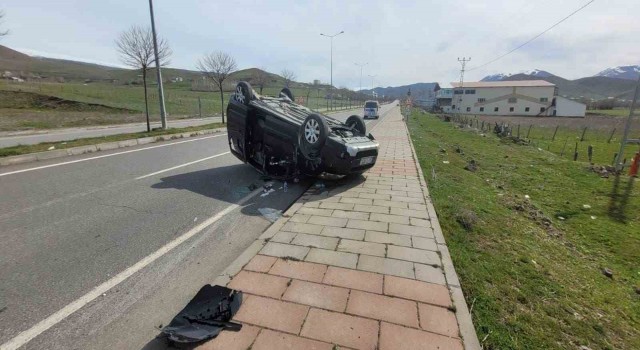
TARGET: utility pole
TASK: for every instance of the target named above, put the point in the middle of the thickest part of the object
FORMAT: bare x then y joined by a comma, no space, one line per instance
331,37
373,93
625,138
163,112
361,65
463,62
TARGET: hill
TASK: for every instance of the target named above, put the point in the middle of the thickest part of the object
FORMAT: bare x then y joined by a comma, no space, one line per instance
418,90
590,87
621,72
537,73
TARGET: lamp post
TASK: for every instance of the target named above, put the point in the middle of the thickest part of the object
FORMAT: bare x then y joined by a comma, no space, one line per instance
331,37
361,65
163,112
372,91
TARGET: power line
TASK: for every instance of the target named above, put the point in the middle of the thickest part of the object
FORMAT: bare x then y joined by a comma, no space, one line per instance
534,38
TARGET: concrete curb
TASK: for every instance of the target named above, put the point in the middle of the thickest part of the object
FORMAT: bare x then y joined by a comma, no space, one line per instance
74,151
467,329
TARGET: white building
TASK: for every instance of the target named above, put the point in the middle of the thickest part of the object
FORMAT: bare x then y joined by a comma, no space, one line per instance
524,98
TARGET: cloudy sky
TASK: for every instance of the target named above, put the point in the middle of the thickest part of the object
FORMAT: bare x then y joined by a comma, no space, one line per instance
402,41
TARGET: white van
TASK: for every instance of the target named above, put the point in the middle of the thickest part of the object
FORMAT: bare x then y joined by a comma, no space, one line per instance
371,109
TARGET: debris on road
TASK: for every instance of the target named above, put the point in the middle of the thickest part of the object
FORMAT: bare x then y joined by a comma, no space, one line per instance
270,214
607,272
267,192
205,316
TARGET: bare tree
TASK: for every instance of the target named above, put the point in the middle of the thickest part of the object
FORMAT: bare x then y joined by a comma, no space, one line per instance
217,66
135,47
260,78
288,76
2,33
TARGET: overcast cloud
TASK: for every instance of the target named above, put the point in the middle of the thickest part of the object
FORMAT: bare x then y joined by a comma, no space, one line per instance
403,41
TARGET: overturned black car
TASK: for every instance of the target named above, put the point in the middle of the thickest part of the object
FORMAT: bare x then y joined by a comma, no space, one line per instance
283,139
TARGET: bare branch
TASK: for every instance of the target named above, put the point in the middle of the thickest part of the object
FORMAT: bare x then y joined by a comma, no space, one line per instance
289,77
217,66
2,33
135,47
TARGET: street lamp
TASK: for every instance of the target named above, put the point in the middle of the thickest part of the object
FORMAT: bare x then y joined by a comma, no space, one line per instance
163,112
361,65
372,91
331,37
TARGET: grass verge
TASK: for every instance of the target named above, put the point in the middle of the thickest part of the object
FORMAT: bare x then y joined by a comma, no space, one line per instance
25,149
530,234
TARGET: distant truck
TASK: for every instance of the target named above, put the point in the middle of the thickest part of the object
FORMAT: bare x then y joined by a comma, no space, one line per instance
371,110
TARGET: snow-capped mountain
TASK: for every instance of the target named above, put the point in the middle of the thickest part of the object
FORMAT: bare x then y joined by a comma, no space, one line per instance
534,73
621,72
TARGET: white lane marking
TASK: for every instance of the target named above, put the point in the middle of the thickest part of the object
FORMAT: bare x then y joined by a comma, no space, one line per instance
106,155
182,165
26,336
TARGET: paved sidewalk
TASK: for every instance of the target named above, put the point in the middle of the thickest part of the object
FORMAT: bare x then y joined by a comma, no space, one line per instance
361,264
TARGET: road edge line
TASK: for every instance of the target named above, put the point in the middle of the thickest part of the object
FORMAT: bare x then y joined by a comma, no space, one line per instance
34,331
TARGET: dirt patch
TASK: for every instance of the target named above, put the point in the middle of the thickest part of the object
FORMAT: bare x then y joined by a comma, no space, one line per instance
536,215
29,100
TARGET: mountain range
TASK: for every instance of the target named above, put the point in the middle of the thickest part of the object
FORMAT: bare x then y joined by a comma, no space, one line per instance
618,82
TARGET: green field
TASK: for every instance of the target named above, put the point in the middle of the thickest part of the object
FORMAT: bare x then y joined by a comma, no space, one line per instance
122,103
530,233
617,112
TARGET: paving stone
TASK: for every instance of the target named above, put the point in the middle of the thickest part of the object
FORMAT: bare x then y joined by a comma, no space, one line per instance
411,230
283,237
302,228
340,206
421,222
390,203
348,233
425,292
319,295
424,243
350,214
284,250
260,263
413,255
363,201
328,221
299,270
439,320
447,265
375,196
415,206
422,214
240,340
398,219
270,313
394,337
270,340
299,218
336,328
311,205
329,257
315,211
259,283
368,225
360,247
353,279
407,199
372,209
315,241
392,193
386,266
377,186
383,308
387,238
429,274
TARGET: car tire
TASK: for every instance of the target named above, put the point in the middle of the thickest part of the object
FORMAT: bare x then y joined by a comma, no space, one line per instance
312,136
356,122
243,93
287,92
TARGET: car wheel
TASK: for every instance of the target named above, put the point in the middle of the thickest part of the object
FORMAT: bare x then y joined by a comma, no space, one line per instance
357,123
243,93
312,136
287,92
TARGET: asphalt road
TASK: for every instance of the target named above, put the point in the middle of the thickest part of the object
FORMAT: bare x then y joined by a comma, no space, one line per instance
8,139
114,244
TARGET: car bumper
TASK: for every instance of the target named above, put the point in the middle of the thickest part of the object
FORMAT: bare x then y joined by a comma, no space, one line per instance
350,158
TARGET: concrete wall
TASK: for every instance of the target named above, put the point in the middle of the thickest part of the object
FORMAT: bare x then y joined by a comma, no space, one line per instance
568,108
526,97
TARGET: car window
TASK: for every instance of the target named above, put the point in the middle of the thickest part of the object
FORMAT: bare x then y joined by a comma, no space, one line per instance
371,105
